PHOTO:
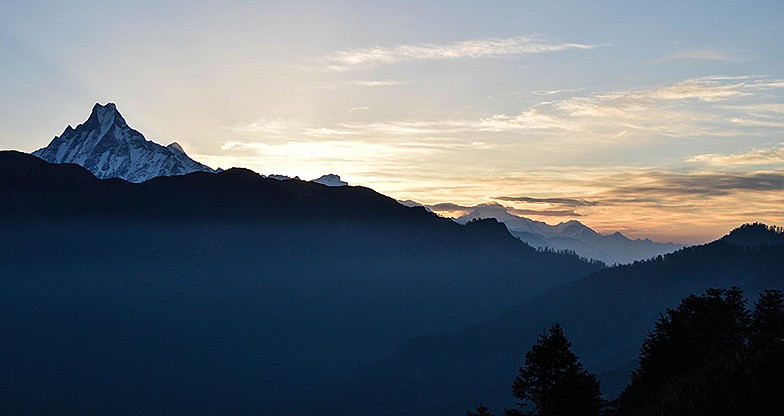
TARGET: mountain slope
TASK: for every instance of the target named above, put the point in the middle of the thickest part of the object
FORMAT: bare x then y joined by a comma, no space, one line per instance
228,293
606,316
106,146
573,236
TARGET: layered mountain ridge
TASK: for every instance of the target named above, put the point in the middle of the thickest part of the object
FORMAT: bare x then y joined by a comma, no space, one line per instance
243,294
109,148
573,236
606,316
106,146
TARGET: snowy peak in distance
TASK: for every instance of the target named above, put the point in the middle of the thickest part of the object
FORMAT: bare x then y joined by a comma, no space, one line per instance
414,204
517,224
106,146
573,236
330,180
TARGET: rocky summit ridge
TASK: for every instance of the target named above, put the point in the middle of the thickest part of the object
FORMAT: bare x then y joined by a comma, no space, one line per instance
109,148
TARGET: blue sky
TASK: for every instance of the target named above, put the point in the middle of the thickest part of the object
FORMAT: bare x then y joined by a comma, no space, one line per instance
657,119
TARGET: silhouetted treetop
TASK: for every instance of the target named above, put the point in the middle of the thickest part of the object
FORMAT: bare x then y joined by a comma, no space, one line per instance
711,356
481,410
553,381
767,320
755,234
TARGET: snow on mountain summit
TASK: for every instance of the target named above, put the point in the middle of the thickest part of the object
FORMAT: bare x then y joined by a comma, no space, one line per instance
106,146
573,236
330,180
174,146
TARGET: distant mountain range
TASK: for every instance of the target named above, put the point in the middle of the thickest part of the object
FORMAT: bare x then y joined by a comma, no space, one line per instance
572,236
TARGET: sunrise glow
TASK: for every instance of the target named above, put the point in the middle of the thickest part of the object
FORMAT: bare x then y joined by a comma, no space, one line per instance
663,121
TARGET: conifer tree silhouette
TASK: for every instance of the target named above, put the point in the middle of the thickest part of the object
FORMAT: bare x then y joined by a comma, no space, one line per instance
553,381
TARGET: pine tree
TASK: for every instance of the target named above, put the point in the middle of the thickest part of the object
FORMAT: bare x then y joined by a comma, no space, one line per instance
767,325
481,410
553,382
692,363
701,328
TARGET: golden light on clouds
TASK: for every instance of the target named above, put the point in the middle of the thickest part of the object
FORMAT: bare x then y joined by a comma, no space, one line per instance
666,133
613,160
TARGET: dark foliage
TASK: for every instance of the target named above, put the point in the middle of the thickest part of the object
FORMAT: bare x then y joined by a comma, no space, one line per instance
767,320
711,356
553,382
481,410
698,330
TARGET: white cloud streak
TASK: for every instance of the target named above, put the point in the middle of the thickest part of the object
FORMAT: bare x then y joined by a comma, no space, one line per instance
762,156
364,58
703,54
714,106
554,92
361,84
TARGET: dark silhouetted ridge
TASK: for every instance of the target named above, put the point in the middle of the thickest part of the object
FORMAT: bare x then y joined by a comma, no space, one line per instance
66,190
755,234
607,314
229,293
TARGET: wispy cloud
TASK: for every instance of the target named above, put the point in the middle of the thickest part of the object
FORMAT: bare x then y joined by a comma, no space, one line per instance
331,150
452,209
554,92
666,188
759,115
713,106
364,58
361,84
572,202
703,54
763,156
376,130
268,127
544,213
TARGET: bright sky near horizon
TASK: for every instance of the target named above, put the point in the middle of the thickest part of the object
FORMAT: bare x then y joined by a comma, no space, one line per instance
656,119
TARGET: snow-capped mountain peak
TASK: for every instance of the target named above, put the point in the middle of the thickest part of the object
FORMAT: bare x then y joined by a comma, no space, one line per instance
330,180
175,147
107,115
106,146
575,229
